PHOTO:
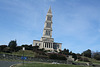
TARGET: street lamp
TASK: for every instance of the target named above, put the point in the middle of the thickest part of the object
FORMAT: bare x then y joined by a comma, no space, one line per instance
23,55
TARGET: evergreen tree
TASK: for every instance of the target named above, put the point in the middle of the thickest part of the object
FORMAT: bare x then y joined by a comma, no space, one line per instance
12,44
87,53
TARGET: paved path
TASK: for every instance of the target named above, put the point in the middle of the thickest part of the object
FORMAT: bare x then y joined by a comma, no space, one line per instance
7,63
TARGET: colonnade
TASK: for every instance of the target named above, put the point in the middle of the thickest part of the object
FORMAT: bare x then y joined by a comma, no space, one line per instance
47,45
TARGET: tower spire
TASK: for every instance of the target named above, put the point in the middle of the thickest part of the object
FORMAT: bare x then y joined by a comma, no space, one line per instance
49,11
47,32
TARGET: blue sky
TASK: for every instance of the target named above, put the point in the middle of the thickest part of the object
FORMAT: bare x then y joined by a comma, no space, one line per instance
76,23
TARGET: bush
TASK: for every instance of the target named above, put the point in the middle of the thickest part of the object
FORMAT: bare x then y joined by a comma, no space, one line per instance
84,59
2,47
7,50
96,55
57,56
41,56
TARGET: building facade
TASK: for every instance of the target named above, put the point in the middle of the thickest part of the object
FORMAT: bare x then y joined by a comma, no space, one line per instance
46,41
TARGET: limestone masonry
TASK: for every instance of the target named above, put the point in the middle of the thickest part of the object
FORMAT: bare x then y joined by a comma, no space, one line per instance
46,41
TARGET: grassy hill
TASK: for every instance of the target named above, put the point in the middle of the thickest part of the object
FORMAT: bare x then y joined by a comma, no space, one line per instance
20,53
46,65
90,59
94,61
30,53
26,53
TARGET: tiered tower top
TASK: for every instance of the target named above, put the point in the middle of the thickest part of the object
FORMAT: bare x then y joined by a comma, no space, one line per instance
47,32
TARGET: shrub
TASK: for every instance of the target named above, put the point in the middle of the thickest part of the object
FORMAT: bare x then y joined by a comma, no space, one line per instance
84,59
57,56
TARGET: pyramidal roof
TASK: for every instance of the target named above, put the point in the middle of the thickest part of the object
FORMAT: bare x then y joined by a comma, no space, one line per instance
49,11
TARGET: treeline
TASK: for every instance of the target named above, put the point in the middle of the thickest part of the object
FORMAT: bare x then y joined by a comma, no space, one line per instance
91,54
12,47
41,53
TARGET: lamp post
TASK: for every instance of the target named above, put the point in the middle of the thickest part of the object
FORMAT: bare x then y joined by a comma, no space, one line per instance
83,57
23,55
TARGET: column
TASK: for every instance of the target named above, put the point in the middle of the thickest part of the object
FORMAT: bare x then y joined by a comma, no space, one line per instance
51,45
46,45
43,44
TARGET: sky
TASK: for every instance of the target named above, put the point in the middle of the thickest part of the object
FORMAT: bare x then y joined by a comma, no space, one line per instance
76,23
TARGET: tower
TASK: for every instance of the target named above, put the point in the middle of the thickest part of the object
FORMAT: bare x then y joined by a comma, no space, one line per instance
47,32
46,41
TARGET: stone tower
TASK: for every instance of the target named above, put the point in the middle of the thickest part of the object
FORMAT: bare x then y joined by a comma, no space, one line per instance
46,41
47,32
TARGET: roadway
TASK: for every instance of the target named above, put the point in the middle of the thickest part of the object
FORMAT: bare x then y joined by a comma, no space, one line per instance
7,63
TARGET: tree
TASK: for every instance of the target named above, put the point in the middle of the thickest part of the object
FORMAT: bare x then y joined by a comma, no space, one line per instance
65,52
28,47
2,47
7,50
57,56
96,55
18,48
12,44
70,52
74,56
87,53
35,48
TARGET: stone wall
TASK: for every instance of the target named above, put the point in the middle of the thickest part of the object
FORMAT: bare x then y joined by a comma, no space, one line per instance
18,58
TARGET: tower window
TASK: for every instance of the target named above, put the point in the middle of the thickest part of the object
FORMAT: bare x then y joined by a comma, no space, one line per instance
49,18
48,25
47,32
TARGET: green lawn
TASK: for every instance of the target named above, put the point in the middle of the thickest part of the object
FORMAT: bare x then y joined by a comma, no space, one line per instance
26,53
20,53
92,60
46,65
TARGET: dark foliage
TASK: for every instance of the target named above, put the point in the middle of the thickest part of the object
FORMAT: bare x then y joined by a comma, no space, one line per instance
18,48
84,59
2,47
96,55
12,44
65,52
87,53
41,56
35,48
28,47
57,56
74,56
